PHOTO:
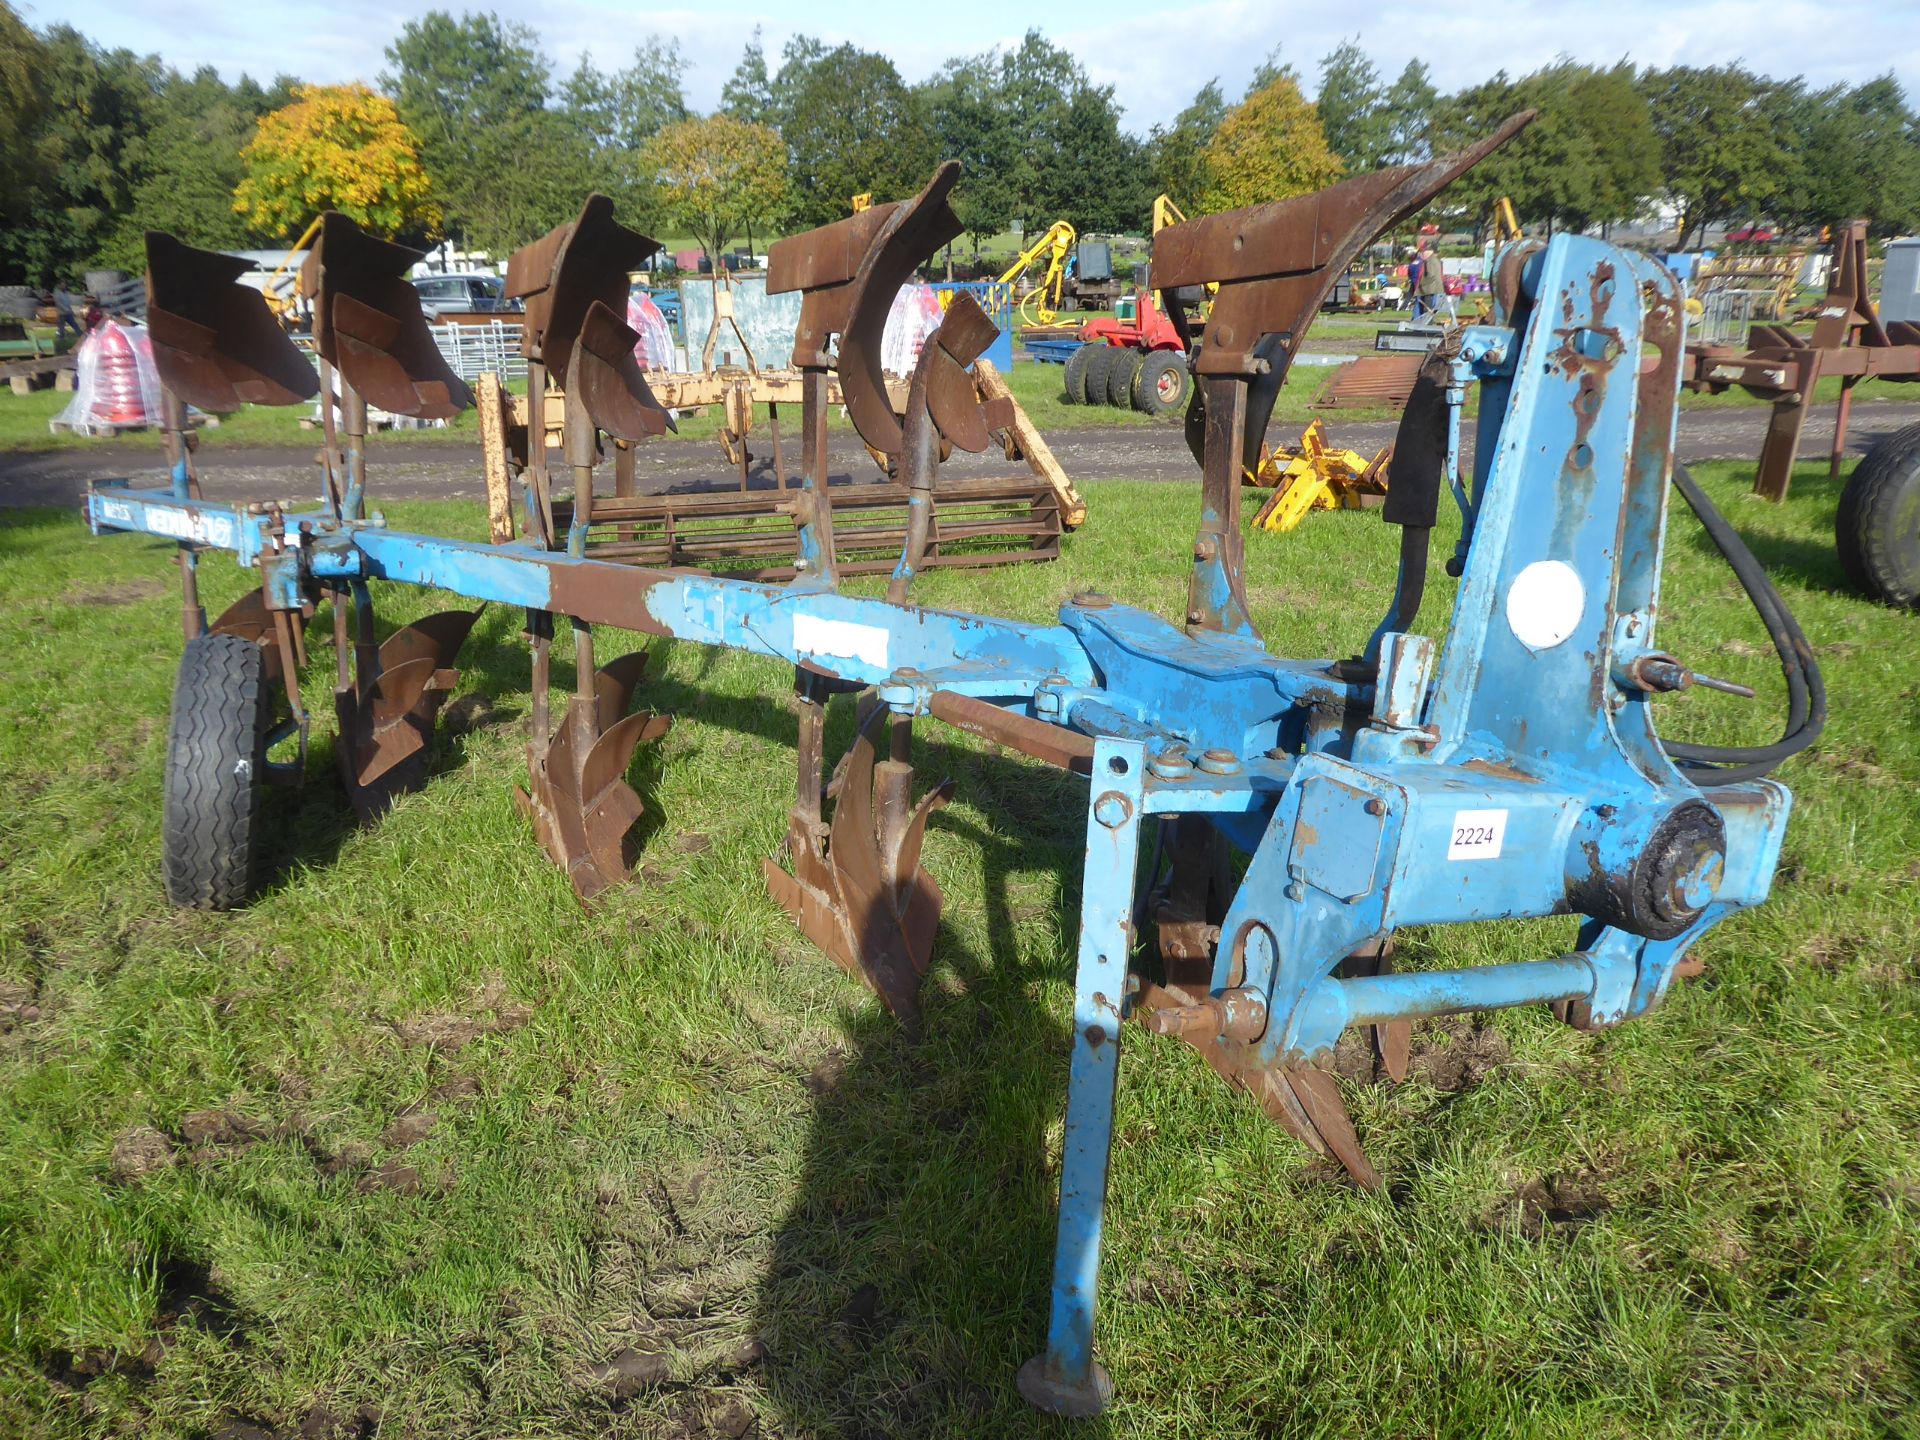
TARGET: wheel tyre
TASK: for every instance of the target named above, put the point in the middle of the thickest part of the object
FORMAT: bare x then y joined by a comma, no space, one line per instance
1163,383
1120,380
216,764
1077,375
1877,529
1099,366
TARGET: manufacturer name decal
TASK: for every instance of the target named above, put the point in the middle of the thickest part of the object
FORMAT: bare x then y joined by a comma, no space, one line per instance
842,639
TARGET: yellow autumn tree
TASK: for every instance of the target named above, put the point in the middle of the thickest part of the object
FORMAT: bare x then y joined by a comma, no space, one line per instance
1269,147
337,147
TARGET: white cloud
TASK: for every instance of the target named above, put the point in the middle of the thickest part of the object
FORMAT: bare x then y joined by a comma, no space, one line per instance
1154,66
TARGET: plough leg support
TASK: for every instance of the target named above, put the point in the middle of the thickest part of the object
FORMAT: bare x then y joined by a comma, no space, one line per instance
1066,1379
577,795
386,715
857,889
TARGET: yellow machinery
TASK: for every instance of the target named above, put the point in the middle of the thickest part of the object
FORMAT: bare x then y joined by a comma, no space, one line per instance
1041,305
863,201
1506,225
1315,476
281,300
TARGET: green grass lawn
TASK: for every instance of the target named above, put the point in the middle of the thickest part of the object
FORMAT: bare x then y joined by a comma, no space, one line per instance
414,1137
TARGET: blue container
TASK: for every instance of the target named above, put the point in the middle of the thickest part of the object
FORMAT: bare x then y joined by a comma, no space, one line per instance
997,300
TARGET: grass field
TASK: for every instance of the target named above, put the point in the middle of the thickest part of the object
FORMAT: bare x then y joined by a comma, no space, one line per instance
23,418
415,1147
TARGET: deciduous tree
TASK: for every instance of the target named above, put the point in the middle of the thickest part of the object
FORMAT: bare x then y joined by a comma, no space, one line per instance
748,94
615,114
1269,147
475,91
717,176
969,121
1353,108
1724,147
1857,154
342,148
851,126
1177,154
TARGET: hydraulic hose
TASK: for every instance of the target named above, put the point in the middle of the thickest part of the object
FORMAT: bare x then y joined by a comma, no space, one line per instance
1806,691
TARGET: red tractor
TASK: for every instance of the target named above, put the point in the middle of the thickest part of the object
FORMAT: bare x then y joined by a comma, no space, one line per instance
1137,363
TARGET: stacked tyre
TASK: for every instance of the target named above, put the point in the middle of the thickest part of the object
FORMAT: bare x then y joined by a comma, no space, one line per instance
1154,382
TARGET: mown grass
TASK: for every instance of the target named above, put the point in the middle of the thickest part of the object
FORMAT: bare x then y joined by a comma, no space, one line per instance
668,1126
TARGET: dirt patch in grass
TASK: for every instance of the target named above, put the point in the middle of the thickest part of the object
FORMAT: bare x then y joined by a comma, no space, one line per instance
829,1075
395,1175
1451,1054
454,1090
491,1013
1458,1053
409,1129
628,1373
476,711
139,1152
126,592
325,1423
19,1005
1554,1200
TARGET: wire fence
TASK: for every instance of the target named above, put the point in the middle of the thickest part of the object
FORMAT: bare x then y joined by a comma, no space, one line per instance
1727,313
472,349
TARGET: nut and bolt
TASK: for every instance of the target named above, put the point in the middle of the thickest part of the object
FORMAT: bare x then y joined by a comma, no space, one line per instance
1219,762
1171,764
1112,809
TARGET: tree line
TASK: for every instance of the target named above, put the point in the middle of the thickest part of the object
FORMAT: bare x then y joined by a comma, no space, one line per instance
471,133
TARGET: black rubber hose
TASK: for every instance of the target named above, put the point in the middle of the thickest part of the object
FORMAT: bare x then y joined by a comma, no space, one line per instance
1806,691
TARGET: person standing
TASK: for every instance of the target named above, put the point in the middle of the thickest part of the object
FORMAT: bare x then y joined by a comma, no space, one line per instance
63,312
1430,292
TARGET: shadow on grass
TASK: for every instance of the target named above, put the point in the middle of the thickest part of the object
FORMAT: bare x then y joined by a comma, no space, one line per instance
911,1272
1808,558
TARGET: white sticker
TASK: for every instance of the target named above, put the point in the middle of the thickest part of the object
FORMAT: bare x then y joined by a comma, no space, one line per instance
116,511
1477,834
1545,604
842,639
190,525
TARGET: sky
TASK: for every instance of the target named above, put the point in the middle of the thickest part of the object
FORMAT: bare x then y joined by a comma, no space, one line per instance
1154,55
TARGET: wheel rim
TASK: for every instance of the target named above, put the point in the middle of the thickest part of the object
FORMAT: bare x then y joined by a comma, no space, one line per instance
1168,386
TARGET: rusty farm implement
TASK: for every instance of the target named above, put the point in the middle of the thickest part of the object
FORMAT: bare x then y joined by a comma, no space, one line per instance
1303,810
751,533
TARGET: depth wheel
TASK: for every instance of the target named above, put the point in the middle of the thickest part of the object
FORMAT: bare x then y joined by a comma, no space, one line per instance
216,764
1877,529
1163,383
1120,379
1077,375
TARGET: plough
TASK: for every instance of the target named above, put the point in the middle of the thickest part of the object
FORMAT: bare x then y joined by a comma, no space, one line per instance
1513,772
751,534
